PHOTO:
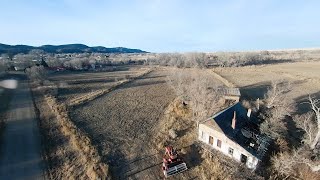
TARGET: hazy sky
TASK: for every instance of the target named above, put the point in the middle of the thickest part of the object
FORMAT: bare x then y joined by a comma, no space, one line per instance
163,25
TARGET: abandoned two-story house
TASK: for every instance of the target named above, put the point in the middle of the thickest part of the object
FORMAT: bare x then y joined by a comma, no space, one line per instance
234,132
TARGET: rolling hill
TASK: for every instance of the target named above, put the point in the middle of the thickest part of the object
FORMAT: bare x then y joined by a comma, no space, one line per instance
66,48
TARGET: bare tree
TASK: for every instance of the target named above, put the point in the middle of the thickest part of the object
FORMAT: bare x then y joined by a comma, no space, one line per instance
308,153
24,60
310,124
37,73
76,63
2,66
37,53
4,62
204,96
198,89
277,107
287,163
284,163
276,93
315,106
179,80
308,127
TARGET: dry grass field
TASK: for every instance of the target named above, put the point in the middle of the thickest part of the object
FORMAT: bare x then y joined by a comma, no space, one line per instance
121,122
129,125
75,84
253,81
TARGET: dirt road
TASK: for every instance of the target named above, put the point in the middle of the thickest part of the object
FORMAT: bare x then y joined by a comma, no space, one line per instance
20,156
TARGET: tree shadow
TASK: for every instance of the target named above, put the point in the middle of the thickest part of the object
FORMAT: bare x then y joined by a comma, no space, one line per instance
252,92
193,157
302,104
135,83
268,61
151,77
294,134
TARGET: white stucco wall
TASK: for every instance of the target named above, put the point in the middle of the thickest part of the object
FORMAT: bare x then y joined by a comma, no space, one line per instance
226,143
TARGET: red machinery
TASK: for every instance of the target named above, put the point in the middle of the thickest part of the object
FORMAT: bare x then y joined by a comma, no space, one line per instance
172,163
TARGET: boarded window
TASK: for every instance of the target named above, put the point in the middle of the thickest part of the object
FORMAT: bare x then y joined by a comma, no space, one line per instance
210,140
230,151
219,143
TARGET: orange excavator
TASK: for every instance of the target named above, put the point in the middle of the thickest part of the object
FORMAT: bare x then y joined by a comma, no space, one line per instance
172,162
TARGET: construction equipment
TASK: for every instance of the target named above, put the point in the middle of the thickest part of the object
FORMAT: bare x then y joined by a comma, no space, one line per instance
172,163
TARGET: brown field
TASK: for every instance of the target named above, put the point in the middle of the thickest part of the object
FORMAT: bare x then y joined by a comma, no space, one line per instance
253,81
121,123
129,124
75,84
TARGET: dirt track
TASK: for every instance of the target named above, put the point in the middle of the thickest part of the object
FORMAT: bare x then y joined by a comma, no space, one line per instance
121,123
20,155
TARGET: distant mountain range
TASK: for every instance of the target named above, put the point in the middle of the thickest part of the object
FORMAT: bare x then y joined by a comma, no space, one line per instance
67,48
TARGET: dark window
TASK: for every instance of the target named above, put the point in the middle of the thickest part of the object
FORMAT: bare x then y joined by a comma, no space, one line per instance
243,158
230,151
219,143
211,140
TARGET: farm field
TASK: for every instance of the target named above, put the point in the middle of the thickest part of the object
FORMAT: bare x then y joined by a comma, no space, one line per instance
253,81
121,122
75,84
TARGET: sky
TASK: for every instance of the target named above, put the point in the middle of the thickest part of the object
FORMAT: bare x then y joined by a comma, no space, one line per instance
163,25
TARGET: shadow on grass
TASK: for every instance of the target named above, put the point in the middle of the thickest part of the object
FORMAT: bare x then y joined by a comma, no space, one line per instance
302,103
255,91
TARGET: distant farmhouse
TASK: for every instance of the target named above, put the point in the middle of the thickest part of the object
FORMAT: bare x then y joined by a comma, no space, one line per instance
234,131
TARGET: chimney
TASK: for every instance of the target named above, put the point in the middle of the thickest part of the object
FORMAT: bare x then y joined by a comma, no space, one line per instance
249,113
233,125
